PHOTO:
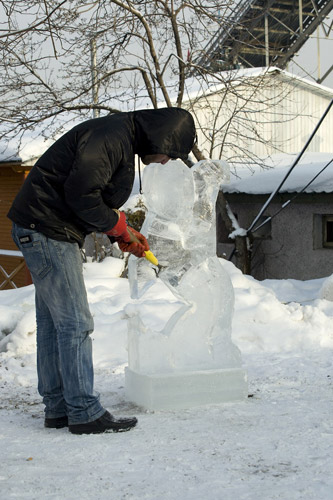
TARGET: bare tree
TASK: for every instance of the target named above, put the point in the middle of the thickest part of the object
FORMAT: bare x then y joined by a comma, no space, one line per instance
146,52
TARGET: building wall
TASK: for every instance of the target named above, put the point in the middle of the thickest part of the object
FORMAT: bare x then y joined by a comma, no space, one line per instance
297,117
262,116
11,179
10,183
293,250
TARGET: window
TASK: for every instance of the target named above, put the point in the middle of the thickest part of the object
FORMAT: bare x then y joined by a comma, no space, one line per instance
322,231
327,231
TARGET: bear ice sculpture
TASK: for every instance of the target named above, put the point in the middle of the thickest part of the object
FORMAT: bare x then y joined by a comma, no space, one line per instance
194,346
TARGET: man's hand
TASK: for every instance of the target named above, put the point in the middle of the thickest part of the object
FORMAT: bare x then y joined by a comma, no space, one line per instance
137,245
128,239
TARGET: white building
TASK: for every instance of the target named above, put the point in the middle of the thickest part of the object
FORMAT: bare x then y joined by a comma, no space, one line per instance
254,113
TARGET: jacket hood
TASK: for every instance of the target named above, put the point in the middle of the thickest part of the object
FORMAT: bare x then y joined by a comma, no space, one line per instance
169,131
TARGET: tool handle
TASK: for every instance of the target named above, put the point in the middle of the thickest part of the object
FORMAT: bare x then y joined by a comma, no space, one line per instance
148,254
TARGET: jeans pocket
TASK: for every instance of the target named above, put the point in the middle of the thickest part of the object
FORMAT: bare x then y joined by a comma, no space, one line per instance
37,256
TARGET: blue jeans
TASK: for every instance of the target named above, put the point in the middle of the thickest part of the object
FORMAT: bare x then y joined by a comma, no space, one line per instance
64,324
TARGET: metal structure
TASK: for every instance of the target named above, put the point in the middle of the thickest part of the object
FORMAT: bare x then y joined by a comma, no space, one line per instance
262,33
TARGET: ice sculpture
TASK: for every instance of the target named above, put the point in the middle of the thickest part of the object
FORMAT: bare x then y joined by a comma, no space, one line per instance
192,359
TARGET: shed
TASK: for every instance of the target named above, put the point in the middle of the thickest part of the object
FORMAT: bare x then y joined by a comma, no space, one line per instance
297,243
13,271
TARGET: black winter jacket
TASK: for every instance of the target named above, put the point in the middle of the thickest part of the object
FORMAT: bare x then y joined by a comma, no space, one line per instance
76,183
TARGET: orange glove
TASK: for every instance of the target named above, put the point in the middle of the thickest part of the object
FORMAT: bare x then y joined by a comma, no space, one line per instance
138,246
120,229
128,239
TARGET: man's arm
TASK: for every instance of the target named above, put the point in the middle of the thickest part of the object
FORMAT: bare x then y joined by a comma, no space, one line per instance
90,173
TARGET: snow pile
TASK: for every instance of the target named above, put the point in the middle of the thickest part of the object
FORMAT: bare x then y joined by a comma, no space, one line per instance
275,445
270,316
280,315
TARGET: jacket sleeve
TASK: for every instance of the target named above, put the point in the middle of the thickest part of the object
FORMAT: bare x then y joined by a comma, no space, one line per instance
91,171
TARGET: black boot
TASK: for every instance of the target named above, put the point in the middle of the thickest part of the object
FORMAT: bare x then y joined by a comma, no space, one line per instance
106,423
56,423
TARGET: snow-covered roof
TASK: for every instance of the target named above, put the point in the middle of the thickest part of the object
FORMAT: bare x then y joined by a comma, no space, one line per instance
196,87
211,84
256,180
8,156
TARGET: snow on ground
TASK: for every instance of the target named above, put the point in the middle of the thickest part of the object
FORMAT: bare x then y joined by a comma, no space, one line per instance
275,445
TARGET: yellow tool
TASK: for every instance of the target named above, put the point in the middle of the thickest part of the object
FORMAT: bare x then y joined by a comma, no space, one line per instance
151,257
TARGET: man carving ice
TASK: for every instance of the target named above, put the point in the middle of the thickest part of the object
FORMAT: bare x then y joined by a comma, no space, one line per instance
75,188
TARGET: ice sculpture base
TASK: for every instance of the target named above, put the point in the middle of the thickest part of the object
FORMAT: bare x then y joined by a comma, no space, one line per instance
173,391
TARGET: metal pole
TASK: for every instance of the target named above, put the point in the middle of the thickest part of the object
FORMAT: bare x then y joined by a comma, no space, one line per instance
318,81
318,52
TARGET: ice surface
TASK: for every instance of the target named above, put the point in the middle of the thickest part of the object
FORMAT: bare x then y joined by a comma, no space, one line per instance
186,389
180,227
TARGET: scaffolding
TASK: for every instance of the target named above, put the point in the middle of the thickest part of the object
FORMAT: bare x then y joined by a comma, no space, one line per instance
259,33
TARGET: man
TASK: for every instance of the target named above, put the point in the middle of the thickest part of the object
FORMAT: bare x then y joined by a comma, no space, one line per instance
77,187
